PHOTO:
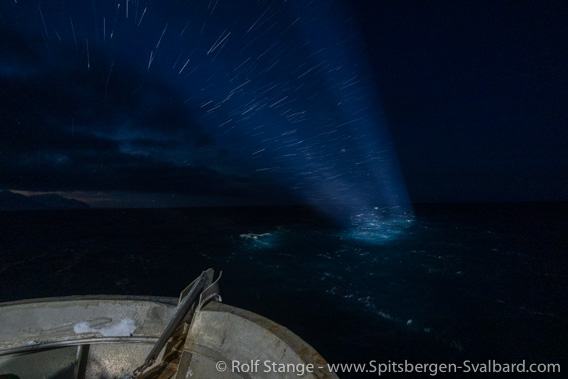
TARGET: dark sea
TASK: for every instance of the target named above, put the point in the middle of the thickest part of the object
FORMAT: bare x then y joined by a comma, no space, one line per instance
459,282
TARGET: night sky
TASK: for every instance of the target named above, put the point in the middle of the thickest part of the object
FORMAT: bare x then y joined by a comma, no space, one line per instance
129,103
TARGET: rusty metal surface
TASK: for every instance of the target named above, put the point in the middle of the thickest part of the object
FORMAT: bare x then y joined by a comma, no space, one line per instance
222,333
38,338
218,332
30,325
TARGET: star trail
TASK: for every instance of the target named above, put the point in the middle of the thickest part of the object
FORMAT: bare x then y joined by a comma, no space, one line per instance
226,93
190,103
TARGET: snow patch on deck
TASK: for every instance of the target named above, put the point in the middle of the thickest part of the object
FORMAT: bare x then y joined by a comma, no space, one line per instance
122,328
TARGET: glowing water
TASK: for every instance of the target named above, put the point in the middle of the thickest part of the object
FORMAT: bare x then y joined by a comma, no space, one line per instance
380,225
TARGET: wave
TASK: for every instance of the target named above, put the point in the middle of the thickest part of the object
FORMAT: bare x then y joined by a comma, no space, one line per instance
257,241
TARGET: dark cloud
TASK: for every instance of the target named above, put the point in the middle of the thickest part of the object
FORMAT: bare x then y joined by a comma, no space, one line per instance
65,129
107,172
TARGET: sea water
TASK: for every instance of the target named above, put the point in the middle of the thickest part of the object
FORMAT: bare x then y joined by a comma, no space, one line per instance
460,282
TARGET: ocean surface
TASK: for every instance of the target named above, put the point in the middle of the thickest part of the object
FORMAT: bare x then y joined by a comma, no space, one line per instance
459,282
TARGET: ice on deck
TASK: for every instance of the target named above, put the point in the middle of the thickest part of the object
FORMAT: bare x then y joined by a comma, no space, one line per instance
122,328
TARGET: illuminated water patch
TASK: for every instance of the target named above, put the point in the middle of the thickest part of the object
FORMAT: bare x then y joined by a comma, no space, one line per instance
381,225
